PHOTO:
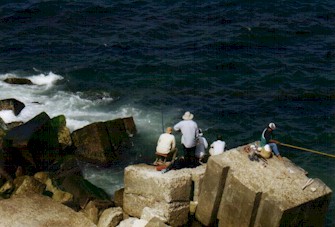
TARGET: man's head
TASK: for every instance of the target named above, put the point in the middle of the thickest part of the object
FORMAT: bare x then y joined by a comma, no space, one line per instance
272,126
169,130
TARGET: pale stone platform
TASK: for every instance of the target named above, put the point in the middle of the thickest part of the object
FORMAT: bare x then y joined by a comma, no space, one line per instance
240,192
169,193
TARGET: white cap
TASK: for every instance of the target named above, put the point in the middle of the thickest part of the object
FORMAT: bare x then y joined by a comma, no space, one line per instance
272,126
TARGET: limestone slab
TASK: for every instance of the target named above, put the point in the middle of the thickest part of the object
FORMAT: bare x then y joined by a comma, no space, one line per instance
145,180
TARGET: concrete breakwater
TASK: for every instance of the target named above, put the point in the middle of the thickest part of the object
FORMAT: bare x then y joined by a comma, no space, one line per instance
230,191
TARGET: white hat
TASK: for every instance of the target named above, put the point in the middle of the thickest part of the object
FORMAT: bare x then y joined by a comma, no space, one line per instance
187,116
272,126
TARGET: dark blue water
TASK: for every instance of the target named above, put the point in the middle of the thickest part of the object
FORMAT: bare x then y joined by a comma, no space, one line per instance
237,65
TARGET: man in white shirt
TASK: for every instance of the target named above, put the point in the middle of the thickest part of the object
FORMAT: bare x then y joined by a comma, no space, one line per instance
166,145
189,130
218,146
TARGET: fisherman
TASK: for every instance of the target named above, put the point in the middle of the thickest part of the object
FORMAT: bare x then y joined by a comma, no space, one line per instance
189,130
266,138
202,145
166,146
218,146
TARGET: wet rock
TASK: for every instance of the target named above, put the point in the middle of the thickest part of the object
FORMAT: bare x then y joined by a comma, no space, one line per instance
33,145
63,132
102,142
12,104
15,80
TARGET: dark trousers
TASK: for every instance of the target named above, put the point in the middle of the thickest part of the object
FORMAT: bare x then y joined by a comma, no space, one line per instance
189,156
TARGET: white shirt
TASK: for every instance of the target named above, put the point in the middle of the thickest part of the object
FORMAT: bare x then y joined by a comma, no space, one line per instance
189,130
200,149
166,143
217,147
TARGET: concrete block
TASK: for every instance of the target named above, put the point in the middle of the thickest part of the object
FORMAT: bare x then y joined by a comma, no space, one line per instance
211,191
239,204
176,213
145,180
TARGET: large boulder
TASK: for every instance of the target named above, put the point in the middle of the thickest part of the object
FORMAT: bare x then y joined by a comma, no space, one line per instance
102,142
38,210
33,145
239,192
12,104
17,80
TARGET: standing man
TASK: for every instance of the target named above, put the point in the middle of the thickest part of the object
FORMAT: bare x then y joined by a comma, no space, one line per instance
266,138
189,130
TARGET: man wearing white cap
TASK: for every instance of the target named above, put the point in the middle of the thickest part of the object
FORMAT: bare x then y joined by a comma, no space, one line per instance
266,138
189,130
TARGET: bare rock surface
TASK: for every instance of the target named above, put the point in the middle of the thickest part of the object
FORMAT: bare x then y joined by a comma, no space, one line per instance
39,211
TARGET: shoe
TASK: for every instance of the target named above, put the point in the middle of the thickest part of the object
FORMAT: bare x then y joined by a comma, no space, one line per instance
164,170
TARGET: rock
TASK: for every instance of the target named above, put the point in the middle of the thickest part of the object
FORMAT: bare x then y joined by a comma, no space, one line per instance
12,104
38,210
239,192
130,126
156,222
82,190
57,194
63,132
111,217
14,124
101,142
118,197
33,145
91,212
27,185
92,144
133,222
3,125
15,80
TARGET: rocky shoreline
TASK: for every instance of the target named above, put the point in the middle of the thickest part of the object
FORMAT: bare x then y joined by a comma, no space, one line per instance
42,184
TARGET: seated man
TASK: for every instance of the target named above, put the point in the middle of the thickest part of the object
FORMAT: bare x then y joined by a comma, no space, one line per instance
266,138
217,147
166,147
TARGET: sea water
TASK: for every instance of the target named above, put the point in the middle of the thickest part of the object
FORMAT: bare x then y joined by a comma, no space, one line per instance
236,65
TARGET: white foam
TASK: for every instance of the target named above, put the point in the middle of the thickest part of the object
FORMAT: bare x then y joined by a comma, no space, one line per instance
43,79
79,111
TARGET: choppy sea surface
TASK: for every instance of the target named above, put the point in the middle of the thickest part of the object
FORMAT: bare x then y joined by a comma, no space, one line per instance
236,65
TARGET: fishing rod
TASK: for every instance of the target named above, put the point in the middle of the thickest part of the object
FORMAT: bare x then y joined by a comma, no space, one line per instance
162,121
306,149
